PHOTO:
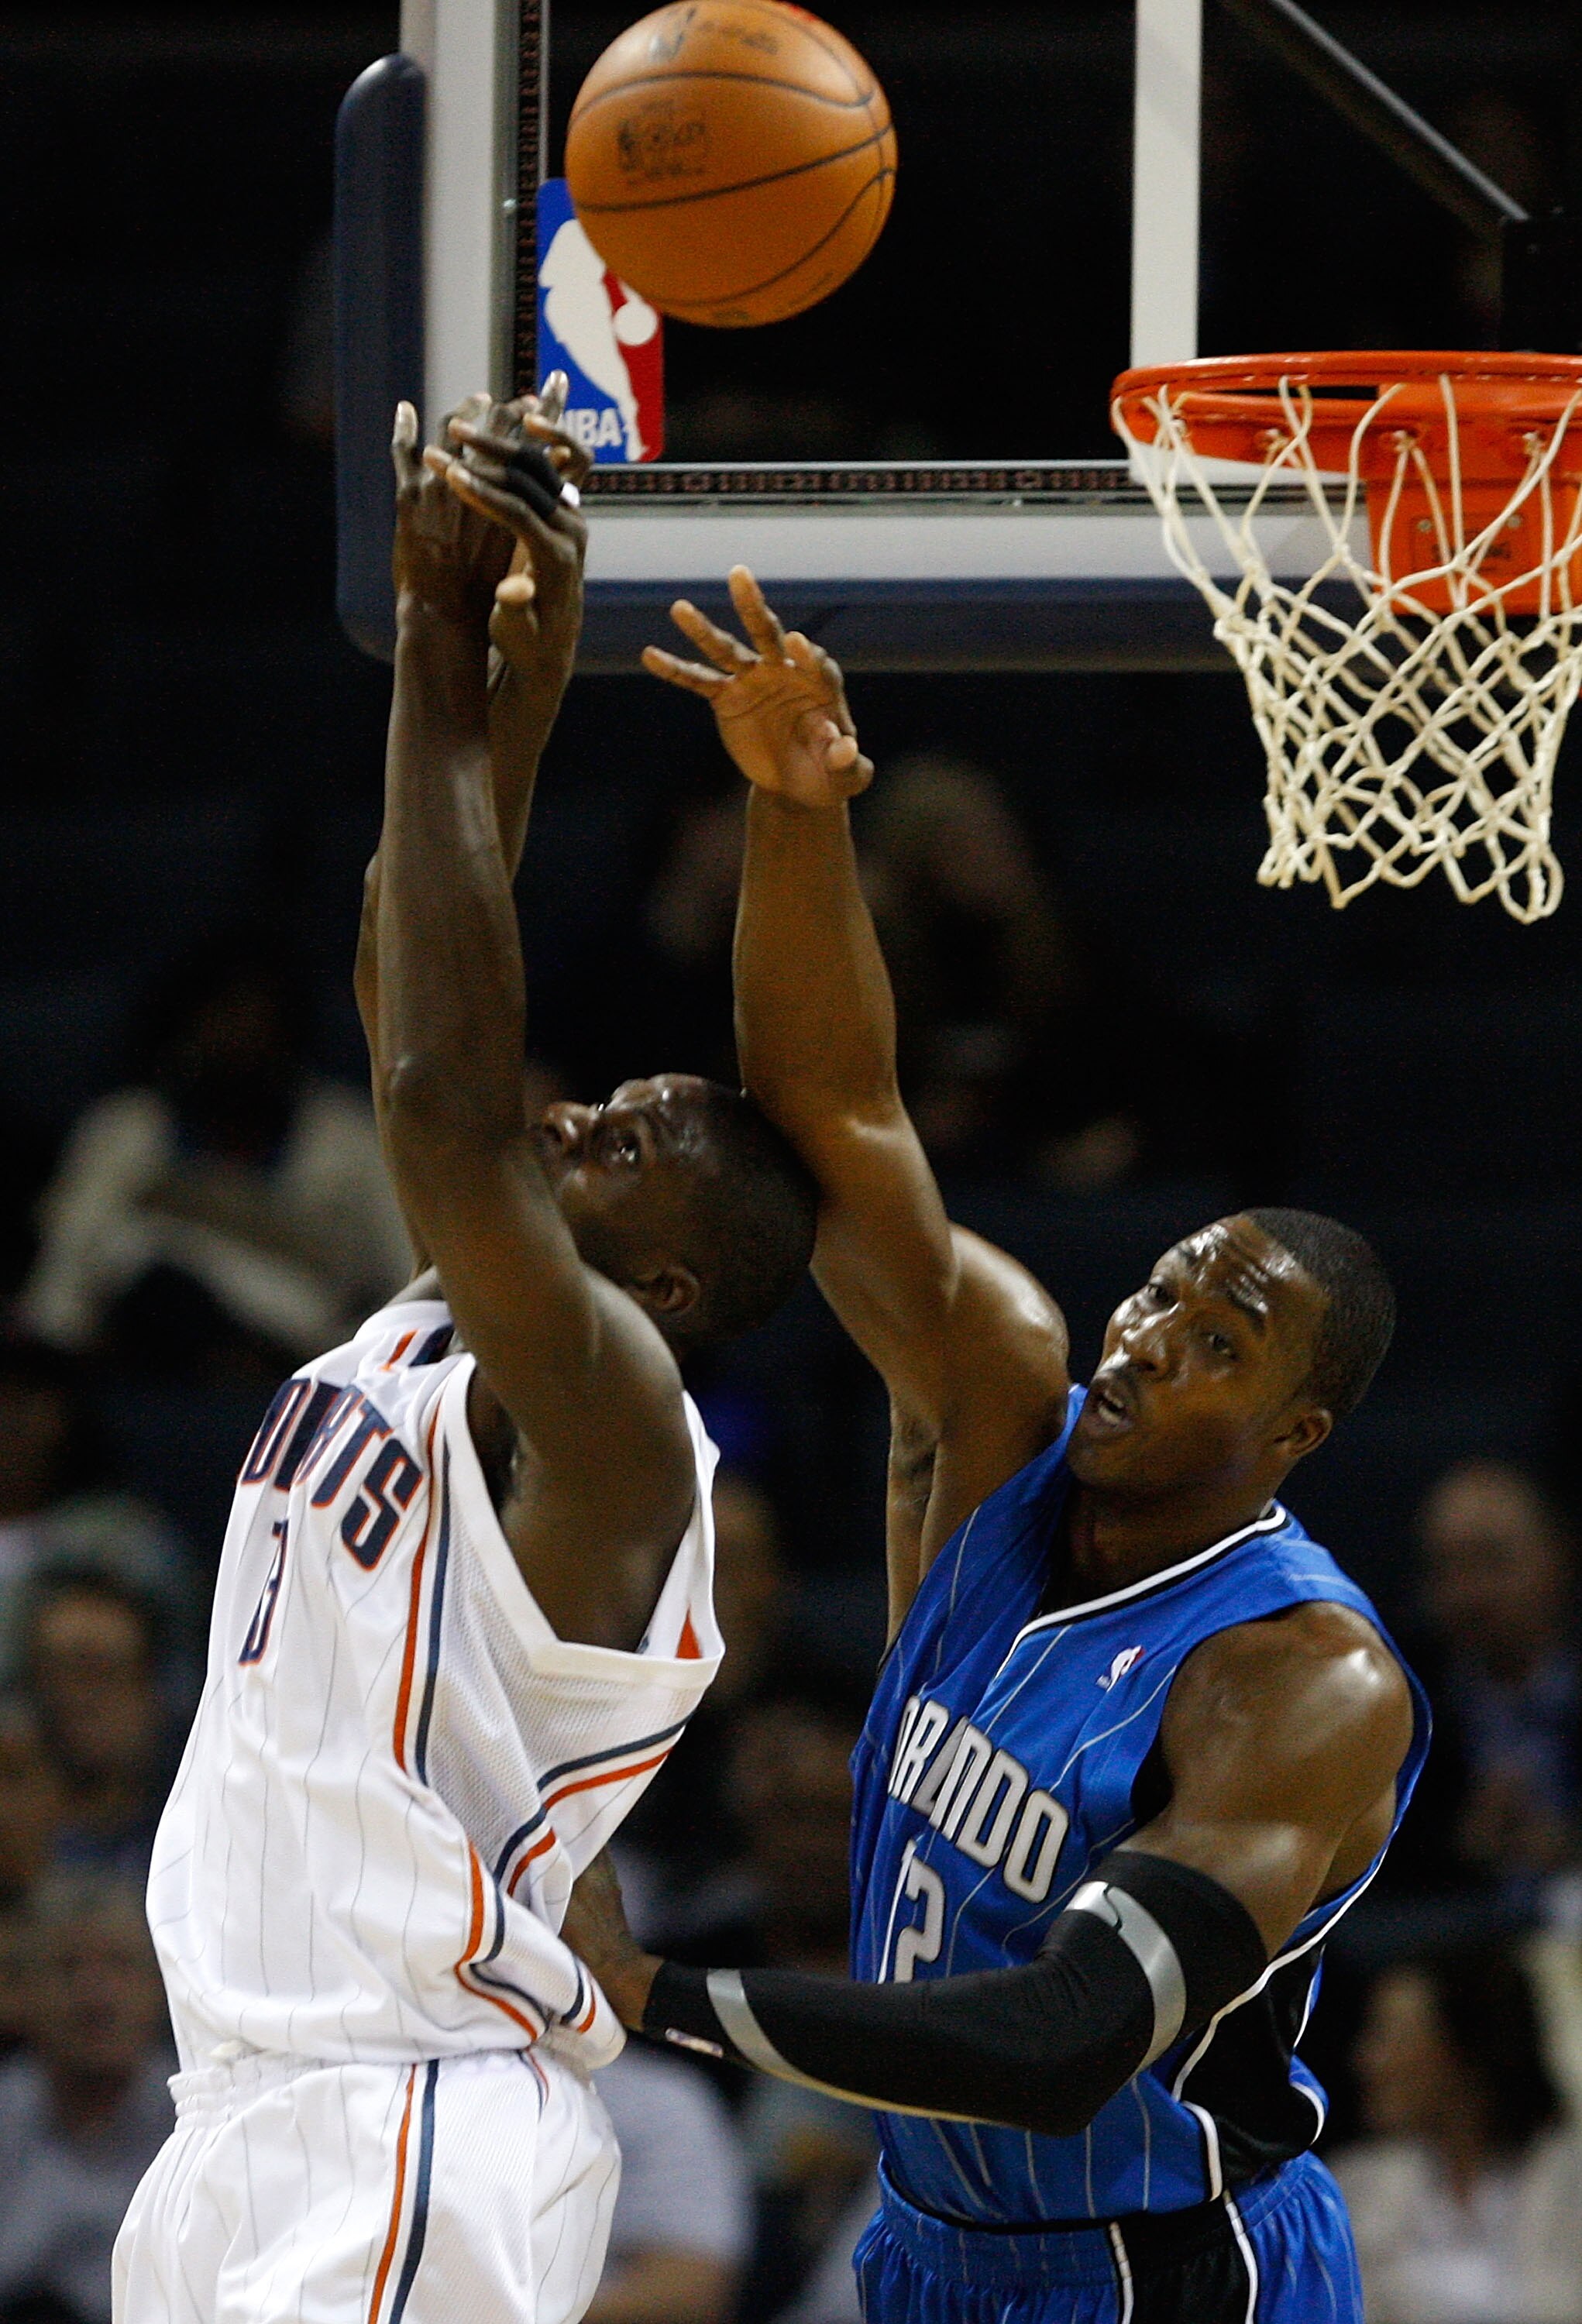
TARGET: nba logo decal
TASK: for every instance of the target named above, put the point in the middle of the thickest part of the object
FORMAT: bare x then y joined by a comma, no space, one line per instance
1127,1659
607,340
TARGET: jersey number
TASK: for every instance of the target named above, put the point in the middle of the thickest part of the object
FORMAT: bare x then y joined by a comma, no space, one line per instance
922,1942
258,1629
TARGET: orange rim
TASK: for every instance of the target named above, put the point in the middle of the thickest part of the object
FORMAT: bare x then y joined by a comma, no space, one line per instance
1231,404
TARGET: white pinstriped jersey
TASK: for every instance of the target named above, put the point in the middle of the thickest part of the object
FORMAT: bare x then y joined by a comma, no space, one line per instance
397,1770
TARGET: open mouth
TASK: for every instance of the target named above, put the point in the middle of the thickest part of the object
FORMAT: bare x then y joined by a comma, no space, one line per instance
1109,1404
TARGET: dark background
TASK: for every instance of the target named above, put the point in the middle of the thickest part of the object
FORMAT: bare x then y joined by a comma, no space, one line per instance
188,736
188,740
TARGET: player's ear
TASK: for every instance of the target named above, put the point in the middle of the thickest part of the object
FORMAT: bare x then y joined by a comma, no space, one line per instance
1305,1431
666,1288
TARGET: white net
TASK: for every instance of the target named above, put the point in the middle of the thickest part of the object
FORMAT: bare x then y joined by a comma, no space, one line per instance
1408,722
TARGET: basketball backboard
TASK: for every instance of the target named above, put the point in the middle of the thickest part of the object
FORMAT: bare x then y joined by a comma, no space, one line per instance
889,464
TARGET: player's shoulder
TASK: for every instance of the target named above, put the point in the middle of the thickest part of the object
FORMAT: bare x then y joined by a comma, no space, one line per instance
1319,1659
414,1333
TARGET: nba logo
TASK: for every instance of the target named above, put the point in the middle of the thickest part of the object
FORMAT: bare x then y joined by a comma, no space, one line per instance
1126,1660
607,339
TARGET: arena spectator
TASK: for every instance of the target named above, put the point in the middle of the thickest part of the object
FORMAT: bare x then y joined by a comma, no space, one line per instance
32,1807
32,1803
1466,2196
680,1853
682,2222
993,990
58,1500
91,1652
51,1457
790,1789
84,2108
228,1214
1502,1803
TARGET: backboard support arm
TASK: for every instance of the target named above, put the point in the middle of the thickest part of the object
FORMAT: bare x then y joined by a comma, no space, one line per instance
1386,120
1540,258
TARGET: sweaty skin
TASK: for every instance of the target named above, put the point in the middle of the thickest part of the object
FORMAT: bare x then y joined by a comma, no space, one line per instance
1281,1739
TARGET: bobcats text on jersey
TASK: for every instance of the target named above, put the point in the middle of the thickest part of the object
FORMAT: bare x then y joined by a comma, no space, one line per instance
397,1770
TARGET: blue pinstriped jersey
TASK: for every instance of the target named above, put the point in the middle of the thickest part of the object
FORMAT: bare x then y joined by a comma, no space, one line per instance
1007,1751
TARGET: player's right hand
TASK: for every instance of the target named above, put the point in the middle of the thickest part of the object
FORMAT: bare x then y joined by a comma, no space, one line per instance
509,465
446,557
781,707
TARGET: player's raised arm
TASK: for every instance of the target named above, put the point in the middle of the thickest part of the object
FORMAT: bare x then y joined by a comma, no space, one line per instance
972,1350
604,1465
534,620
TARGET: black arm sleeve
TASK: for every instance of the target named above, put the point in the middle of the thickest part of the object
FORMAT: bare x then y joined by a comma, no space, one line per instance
1038,2048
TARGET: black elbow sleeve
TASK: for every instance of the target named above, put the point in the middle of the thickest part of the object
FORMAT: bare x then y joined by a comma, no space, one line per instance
1139,1959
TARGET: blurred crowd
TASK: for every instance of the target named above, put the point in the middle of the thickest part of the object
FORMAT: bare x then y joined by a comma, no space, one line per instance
223,1213
1108,1035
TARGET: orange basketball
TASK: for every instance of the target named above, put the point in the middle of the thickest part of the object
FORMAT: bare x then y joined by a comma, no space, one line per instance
732,159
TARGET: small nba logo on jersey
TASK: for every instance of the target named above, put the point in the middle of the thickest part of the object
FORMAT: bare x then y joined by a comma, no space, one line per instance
607,339
1127,1659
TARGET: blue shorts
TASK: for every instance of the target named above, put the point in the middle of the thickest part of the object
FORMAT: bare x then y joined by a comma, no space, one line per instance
1278,2251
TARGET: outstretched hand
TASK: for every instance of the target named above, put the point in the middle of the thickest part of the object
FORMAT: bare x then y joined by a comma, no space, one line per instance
508,465
446,557
780,705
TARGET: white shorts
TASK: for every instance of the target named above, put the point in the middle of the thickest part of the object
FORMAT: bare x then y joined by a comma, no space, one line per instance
460,2191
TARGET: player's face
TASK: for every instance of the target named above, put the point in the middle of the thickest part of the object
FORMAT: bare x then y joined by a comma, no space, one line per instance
1201,1377
621,1170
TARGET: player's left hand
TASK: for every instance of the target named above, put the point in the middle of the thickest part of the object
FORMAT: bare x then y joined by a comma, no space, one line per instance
781,709
595,1927
446,557
511,469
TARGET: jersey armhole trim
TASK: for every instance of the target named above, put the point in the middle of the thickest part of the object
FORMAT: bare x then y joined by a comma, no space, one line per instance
555,1657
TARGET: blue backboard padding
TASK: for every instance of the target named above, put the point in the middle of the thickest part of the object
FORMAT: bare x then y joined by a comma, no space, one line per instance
378,330
1109,623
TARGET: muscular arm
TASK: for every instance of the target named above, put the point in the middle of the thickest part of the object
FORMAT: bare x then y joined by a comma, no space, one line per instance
604,1468
533,627
1282,1741
520,718
971,1348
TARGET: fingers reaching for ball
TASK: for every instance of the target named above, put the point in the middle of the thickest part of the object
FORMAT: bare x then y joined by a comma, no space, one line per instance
727,653
780,704
514,462
755,613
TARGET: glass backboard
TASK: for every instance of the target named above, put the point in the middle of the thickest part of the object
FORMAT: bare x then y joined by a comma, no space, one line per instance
921,467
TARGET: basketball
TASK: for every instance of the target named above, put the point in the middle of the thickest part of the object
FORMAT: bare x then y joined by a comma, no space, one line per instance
733,162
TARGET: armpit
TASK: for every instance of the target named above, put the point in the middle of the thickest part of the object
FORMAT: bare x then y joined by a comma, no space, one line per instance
914,1443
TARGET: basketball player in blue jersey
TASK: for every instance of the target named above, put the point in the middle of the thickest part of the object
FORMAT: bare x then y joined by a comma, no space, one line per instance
1137,1742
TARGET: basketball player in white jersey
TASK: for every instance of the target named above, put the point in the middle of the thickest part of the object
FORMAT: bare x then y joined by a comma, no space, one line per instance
463,1610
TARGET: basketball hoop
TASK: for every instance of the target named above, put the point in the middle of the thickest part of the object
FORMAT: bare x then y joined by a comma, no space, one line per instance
1412,691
